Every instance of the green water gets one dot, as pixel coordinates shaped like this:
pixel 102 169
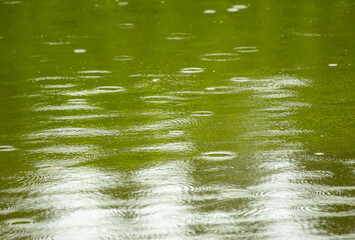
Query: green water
pixel 177 119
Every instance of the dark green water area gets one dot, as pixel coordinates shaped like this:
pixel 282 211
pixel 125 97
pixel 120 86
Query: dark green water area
pixel 177 119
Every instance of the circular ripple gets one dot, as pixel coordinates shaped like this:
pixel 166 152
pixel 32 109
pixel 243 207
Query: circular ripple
pixel 110 89
pixel 79 50
pixel 246 49
pixel 240 7
pixel 179 36
pixel 19 221
pixel 220 57
pixel 7 148
pixel 218 155
pixel 123 58
pixel 210 11
pixel 305 209
pixel 232 9
pixel 94 71
pixel 126 25
pixel 192 70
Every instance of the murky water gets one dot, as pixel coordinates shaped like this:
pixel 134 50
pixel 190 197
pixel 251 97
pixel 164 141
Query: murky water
pixel 177 119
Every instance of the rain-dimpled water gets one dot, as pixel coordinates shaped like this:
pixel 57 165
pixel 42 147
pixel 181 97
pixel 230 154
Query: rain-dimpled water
pixel 177 119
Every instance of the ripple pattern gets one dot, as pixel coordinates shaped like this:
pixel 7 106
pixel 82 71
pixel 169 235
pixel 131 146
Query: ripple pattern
pixel 220 57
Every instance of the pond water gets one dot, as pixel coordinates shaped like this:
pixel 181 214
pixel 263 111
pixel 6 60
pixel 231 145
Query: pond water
pixel 177 119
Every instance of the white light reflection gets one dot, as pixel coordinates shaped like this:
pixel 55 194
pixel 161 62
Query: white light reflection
pixel 161 211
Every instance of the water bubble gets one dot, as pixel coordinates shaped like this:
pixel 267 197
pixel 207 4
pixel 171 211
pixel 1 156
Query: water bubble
pixel 332 64
pixel 220 57
pixel 192 70
pixel 123 3
pixel 319 154
pixel 210 11
pixel 79 50
pixel 218 155
pixel 201 113
pixel 7 148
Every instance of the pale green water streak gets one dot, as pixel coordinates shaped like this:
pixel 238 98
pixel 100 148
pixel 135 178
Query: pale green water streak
pixel 177 119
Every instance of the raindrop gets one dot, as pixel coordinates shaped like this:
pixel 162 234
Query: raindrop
pixel 218 155
pixel 126 25
pixel 110 89
pixel 246 49
pixel 192 70
pixel 179 36
pixel 220 57
pixel 123 58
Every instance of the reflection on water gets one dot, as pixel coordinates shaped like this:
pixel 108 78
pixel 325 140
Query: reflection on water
pixel 176 120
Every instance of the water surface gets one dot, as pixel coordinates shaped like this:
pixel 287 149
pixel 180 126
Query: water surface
pixel 177 119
